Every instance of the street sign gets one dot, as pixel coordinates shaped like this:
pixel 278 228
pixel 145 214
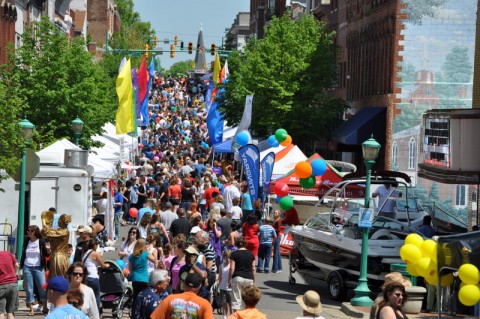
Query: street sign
pixel 32 169
pixel 224 54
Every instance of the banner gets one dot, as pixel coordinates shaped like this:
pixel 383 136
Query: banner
pixel 250 158
pixel 456 250
pixel 267 170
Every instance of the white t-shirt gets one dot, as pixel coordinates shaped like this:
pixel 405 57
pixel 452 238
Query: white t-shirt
pixel 236 212
pixel 89 303
pixel 32 254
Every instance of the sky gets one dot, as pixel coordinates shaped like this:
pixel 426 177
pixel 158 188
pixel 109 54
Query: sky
pixel 185 18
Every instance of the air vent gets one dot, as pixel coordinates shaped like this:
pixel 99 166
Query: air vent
pixel 76 158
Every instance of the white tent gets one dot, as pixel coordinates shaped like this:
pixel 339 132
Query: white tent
pixel 285 159
pixel 55 153
pixel 110 151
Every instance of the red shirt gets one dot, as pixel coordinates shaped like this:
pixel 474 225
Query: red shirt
pixel 208 195
pixel 250 231
pixel 291 217
pixel 7 268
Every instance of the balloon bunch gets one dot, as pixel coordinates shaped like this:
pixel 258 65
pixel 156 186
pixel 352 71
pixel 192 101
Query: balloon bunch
pixel 243 138
pixel 284 200
pixel 309 171
pixel 469 293
pixel 280 137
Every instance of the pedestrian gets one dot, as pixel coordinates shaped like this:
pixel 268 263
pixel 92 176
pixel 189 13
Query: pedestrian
pixel 138 266
pixel 176 263
pixel 186 304
pixel 150 298
pixel 118 209
pixel 386 204
pixel 57 289
pixel 236 213
pixel 250 233
pixel 267 236
pixel 127 246
pixel 181 225
pixel 426 229
pixel 8 285
pixel 247 206
pixel 77 277
pixel 92 260
pixel 98 226
pixel 394 298
pixel 75 298
pixel 311 305
pixel 242 271
pixel 277 258
pixel 223 284
pixel 85 234
pixel 250 296
pixel 156 227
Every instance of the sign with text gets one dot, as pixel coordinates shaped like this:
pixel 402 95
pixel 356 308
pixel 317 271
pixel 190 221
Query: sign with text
pixel 365 218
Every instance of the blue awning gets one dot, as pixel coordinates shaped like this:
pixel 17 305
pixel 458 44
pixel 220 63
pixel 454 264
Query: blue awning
pixel 367 121
pixel 223 147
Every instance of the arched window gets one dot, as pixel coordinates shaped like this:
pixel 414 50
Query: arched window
pixel 394 154
pixel 412 145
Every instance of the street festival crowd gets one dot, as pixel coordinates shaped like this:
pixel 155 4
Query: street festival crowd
pixel 195 241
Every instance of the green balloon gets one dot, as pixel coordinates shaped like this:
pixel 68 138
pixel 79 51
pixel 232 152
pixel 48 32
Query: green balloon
pixel 286 203
pixel 281 135
pixel 308 182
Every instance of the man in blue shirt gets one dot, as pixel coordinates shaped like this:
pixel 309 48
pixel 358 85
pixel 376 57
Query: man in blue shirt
pixel 148 208
pixel 267 236
pixel 57 289
pixel 118 200
pixel 149 299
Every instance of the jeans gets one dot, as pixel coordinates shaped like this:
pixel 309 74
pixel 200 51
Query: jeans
pixel 277 258
pixel 117 219
pixel 94 283
pixel 34 276
pixel 186 205
pixel 264 253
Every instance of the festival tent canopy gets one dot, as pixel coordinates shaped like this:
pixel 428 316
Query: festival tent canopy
pixel 285 159
pixel 55 154
pixel 223 147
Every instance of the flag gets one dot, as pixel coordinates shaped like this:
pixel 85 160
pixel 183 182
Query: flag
pixel 124 117
pixel 142 79
pixel 208 96
pixel 215 122
pixel 135 99
pixel 250 158
pixel 216 69
pixel 224 73
pixel 247 115
pixel 144 105
pixel 267 170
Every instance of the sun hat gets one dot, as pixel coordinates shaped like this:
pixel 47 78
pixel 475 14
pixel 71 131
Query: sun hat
pixel 85 229
pixel 310 302
pixel 192 250
pixel 398 278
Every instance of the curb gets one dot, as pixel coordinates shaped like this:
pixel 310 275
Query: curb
pixel 352 311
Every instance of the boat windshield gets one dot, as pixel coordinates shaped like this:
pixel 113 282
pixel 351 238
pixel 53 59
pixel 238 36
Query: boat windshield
pixel 382 228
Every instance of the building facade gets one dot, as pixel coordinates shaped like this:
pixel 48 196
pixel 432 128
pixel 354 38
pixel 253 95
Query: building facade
pixel 240 30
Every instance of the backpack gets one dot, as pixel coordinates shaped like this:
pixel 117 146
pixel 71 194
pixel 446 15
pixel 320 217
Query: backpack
pixel 133 195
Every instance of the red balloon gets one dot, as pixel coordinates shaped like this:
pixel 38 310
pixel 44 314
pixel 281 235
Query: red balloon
pixel 133 212
pixel 157 119
pixel 281 189
pixel 140 145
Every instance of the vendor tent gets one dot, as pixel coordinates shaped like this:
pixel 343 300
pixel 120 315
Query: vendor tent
pixel 285 159
pixel 223 147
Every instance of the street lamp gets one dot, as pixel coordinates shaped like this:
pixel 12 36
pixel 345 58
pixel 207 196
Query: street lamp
pixel 77 127
pixel 27 132
pixel 370 149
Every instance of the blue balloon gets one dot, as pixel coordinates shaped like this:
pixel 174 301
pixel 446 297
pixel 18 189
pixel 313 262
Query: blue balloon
pixel 120 263
pixel 182 131
pixel 279 198
pixel 243 138
pixel 272 141
pixel 319 167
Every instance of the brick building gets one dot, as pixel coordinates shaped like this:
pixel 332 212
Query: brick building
pixel 8 17
pixel 103 19
pixel 261 12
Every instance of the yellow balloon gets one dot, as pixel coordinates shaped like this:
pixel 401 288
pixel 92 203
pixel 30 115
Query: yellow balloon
pixel 469 295
pixel 433 280
pixel 414 239
pixel 468 273
pixel 410 253
pixel 446 280
pixel 412 269
pixel 429 249
pixel 426 267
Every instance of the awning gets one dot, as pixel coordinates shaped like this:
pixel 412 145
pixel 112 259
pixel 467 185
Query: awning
pixel 367 121
pixel 223 147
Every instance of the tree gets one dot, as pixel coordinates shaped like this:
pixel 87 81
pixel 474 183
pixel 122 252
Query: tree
pixel 180 68
pixel 58 81
pixel 288 72
pixel 416 10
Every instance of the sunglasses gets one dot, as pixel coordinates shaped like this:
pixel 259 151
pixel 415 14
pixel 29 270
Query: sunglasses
pixel 398 295
pixel 77 274
pixel 133 232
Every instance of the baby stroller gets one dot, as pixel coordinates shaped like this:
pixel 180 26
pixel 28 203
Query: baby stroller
pixel 116 294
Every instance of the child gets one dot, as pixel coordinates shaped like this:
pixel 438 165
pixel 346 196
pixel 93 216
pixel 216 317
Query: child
pixel 224 289
pixel 236 211
pixel 75 298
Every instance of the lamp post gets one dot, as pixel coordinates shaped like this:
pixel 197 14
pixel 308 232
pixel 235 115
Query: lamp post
pixel 77 127
pixel 370 149
pixel 27 132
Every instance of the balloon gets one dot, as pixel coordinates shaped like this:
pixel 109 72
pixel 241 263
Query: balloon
pixel 272 141
pixel 279 198
pixel 415 239
pixel 286 203
pixel 281 189
pixel 319 167
pixel 469 295
pixel 303 169
pixel 133 212
pixel 281 135
pixel 287 141
pixel 308 182
pixel 426 267
pixel 446 280
pixel 182 132
pixel 156 159
pixel 157 119
pixel 140 145
pixel 120 263
pixel 243 138
pixel 412 269
pixel 429 249
pixel 433 280
pixel 468 273
pixel 410 253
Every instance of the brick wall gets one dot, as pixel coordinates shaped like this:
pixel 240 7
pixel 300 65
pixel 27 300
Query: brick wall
pixel 8 16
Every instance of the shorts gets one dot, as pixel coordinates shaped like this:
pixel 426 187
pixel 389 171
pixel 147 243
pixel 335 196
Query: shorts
pixel 175 201
pixel 225 295
pixel 9 298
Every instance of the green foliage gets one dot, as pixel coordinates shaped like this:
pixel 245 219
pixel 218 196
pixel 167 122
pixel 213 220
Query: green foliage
pixel 58 81
pixel 416 9
pixel 407 74
pixel 180 68
pixel 288 72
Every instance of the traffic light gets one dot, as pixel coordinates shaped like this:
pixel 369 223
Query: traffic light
pixel 190 47
pixel 212 50
pixel 172 51
pixel 181 45
pixel 155 41
pixel 147 47
pixel 175 40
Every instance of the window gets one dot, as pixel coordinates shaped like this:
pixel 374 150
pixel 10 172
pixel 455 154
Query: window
pixel 412 151
pixel 394 154
pixel 461 195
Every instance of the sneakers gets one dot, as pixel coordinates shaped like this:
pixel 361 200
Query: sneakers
pixel 266 271
pixel 276 271
pixel 260 270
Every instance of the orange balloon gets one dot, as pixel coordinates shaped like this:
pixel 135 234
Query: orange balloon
pixel 287 141
pixel 303 169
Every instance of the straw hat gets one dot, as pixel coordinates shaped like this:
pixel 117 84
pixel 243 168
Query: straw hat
pixel 310 302
pixel 398 278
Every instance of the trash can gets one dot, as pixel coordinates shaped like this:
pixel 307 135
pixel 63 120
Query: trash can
pixel 402 268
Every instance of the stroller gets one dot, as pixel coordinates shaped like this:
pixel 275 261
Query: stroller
pixel 115 293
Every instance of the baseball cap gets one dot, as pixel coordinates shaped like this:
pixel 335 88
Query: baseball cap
pixel 192 250
pixel 195 229
pixel 58 283
pixel 85 229
pixel 193 280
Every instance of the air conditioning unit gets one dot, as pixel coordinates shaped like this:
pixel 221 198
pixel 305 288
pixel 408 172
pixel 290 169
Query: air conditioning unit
pixel 76 158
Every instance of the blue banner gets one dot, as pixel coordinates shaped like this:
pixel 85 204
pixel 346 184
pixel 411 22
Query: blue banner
pixel 215 122
pixel 267 170
pixel 250 158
